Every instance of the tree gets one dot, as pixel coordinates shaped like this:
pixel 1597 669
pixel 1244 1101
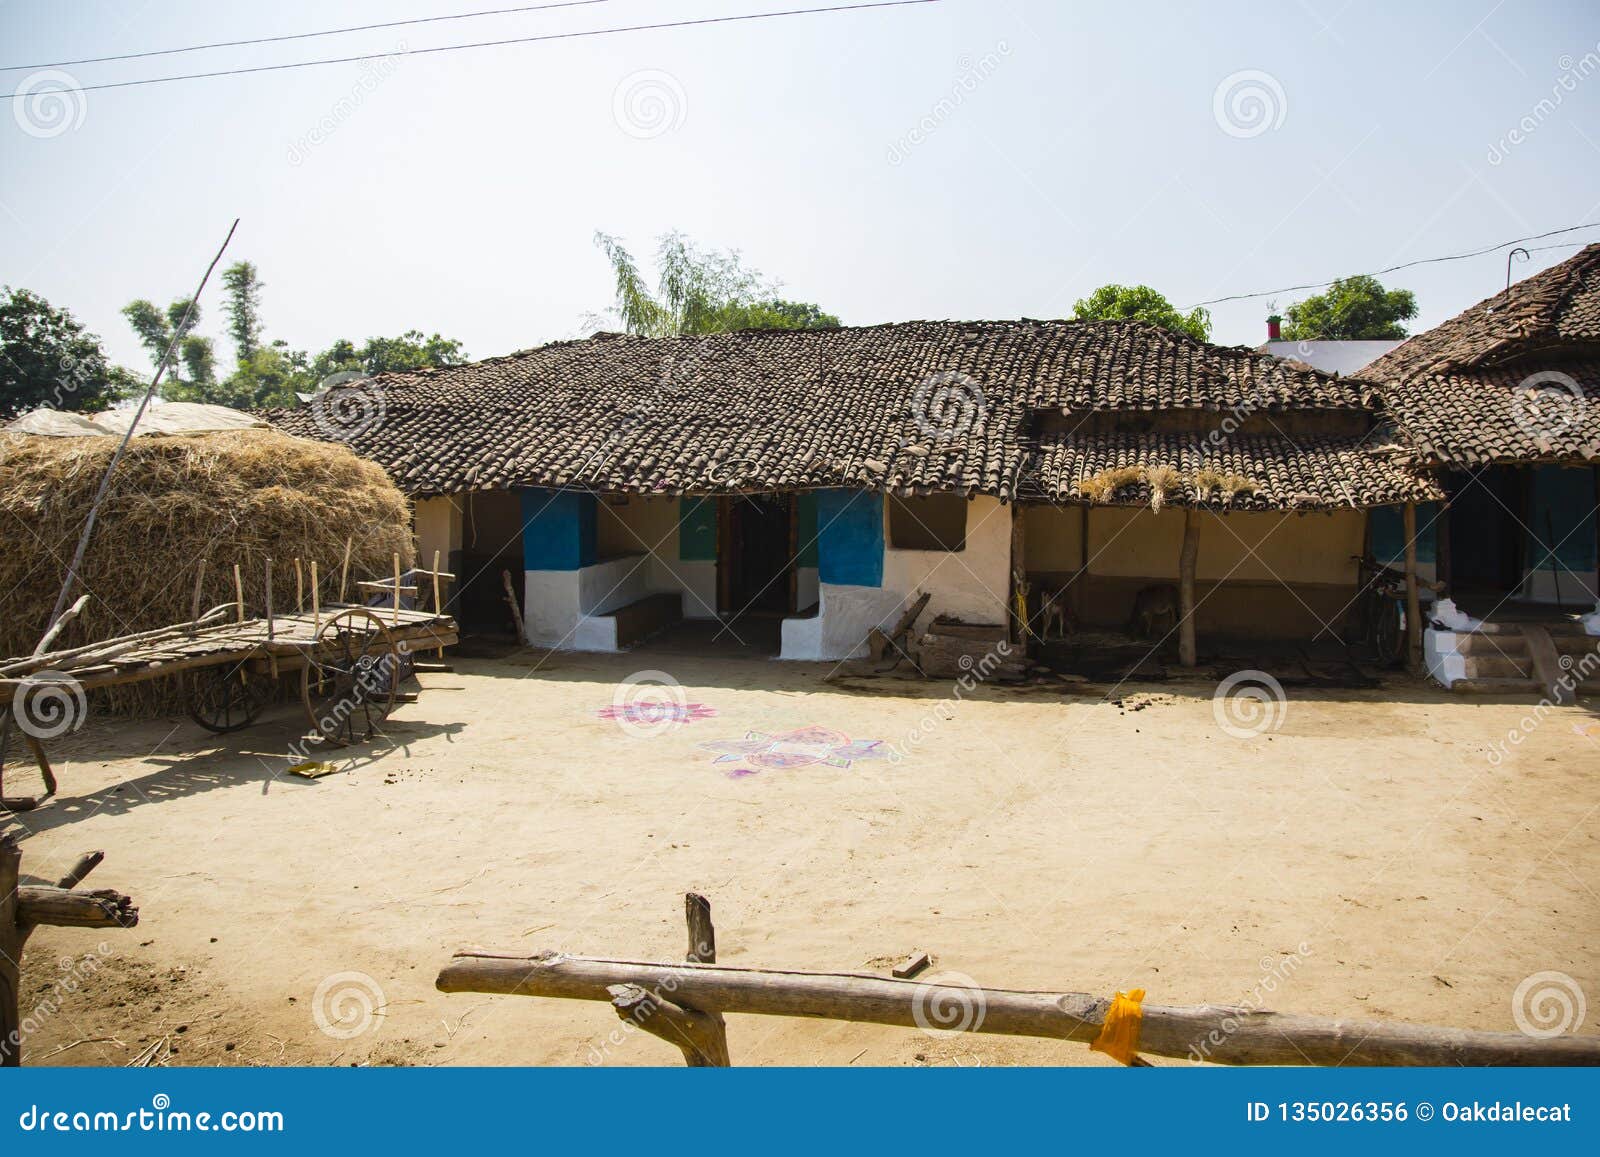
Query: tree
pixel 192 352
pixel 700 291
pixel 267 374
pixel 243 286
pixel 47 358
pixel 1141 303
pixel 1351 309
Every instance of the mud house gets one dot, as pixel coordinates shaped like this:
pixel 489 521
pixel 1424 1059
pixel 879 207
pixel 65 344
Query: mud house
pixel 1502 404
pixel 820 480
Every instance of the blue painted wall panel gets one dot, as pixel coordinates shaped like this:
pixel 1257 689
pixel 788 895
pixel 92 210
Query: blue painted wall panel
pixel 558 529
pixel 1562 509
pixel 1389 533
pixel 850 537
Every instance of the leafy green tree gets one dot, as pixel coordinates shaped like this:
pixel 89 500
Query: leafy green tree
pixel 699 291
pixel 193 354
pixel 48 359
pixel 243 286
pixel 1141 303
pixel 1351 309
pixel 268 373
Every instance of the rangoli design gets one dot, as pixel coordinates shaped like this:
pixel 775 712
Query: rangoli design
pixel 655 712
pixel 798 748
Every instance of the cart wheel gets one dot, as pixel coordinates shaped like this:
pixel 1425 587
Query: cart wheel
pixel 224 699
pixel 350 677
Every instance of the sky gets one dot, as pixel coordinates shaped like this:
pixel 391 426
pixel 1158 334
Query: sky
pixel 958 159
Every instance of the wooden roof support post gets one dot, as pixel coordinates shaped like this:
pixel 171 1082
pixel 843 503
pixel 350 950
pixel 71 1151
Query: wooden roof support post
pixel 24 908
pixel 1186 566
pixel 1413 604
pixel 1019 576
pixel 701 1036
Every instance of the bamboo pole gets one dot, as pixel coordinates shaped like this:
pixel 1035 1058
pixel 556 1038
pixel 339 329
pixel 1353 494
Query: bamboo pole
pixel 238 591
pixel 1413 604
pixel 344 570
pixel 1187 651
pixel 1218 1033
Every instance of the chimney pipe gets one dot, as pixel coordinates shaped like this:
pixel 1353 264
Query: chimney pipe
pixel 1274 330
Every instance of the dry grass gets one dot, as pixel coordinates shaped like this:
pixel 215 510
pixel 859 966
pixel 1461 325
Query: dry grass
pixel 1102 486
pixel 1163 480
pixel 238 497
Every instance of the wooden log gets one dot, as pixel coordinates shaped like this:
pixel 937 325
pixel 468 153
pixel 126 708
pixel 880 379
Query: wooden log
pixel 1413 605
pixel 704 1028
pixel 43 904
pixel 11 940
pixel 1187 649
pixel 113 646
pixel 1217 1033
pixel 700 1036
pixel 87 863
pixel 60 624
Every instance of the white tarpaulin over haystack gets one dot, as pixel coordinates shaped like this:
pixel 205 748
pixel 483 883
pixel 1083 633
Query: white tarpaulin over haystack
pixel 165 418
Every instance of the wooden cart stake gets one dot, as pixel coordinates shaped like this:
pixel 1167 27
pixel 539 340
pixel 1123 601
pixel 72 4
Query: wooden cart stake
pixel 238 591
pixel 344 571
pixel 316 602
pixel 396 588
pixel 299 589
pixel 438 607
pixel 199 581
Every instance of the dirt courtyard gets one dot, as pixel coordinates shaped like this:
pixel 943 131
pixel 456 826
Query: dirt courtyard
pixel 1378 855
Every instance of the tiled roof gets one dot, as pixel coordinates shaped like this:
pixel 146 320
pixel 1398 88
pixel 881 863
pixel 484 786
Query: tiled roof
pixel 1311 472
pixel 1516 378
pixel 1556 309
pixel 908 407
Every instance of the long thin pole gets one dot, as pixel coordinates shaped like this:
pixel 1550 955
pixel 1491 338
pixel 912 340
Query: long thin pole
pixel 105 482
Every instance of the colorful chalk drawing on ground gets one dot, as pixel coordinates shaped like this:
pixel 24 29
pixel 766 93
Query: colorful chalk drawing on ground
pixel 802 747
pixel 656 713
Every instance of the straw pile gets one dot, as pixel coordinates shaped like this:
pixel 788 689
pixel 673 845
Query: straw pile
pixel 236 497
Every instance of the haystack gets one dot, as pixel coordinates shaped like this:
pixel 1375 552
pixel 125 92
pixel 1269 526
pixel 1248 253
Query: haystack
pixel 232 497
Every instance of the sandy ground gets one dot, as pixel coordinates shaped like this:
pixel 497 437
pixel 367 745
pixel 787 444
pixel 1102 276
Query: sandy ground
pixel 1367 858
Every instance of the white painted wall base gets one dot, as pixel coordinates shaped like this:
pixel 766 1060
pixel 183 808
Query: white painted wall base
pixel 563 608
pixel 1444 660
pixel 1577 587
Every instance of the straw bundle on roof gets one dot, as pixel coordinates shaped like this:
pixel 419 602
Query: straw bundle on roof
pixel 236 497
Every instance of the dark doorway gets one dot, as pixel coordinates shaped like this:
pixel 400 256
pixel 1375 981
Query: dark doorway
pixel 1487 541
pixel 755 559
pixel 491 546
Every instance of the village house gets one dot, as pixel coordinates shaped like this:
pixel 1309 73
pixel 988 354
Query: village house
pixel 1502 404
pixel 818 481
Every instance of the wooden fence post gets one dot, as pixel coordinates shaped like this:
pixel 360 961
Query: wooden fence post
pixel 1187 652
pixel 24 908
pixel 702 1036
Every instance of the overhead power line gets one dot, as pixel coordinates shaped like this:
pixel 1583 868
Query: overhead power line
pixel 500 43
pixel 1403 265
pixel 302 35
